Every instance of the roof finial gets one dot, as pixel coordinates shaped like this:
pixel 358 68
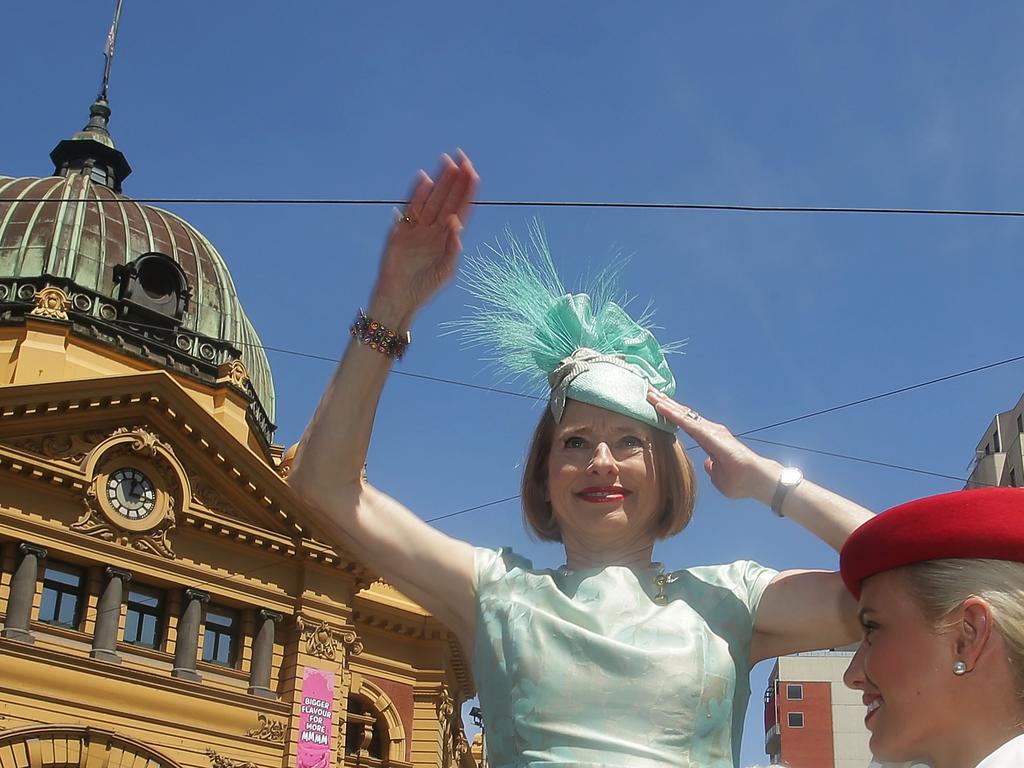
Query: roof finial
pixel 108 52
pixel 91 150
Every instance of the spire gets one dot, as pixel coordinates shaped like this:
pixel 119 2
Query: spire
pixel 108 52
pixel 91 151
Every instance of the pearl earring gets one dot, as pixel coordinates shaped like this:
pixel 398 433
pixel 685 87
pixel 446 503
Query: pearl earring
pixel 959 668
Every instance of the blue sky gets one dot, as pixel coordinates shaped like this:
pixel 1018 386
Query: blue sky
pixel 907 104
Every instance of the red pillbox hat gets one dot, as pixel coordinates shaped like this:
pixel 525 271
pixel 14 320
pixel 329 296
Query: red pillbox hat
pixel 982 523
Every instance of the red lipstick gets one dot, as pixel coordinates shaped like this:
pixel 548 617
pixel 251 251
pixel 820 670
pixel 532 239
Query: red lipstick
pixel 605 494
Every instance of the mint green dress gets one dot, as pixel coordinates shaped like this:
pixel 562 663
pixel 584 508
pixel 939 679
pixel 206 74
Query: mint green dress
pixel 590 668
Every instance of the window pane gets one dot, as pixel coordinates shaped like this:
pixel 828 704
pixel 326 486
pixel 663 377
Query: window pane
pixel 131 627
pixel 224 650
pixel 217 647
pixel 219 620
pixel 59 575
pixel 66 613
pixel 796 719
pixel 48 608
pixel 147 599
pixel 148 634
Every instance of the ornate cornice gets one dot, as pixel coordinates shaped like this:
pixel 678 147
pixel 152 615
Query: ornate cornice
pixel 98 318
pixel 386 621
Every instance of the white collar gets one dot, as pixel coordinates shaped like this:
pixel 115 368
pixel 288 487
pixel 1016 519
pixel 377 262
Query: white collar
pixel 1010 755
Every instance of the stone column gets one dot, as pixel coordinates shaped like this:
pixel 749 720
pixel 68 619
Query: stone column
pixel 187 645
pixel 108 616
pixel 263 655
pixel 23 591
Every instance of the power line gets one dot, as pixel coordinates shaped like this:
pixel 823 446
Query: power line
pixel 621 205
pixel 512 393
pixel 745 433
pixel 830 454
pixel 867 461
pixel 394 371
pixel 471 509
pixel 890 393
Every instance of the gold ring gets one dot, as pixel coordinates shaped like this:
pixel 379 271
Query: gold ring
pixel 693 415
pixel 407 219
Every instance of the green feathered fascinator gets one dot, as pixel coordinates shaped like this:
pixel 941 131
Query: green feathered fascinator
pixel 581 346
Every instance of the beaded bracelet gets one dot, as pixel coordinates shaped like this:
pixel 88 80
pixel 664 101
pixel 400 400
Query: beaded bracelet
pixel 376 336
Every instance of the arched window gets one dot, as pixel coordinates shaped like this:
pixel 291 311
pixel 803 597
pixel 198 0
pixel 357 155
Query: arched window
pixel 375 735
pixel 365 731
pixel 70 746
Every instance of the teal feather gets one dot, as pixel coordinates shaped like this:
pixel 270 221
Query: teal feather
pixel 522 313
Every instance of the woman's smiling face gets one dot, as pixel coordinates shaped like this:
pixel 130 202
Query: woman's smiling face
pixel 903 668
pixel 602 479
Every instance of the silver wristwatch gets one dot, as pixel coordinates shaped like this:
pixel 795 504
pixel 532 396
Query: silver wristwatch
pixel 790 478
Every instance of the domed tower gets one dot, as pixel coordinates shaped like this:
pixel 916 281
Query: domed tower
pixel 150 547
pixel 131 287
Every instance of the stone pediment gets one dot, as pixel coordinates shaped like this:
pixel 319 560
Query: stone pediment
pixel 138 448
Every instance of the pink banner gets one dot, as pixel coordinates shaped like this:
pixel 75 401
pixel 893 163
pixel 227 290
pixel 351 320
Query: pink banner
pixel 316 719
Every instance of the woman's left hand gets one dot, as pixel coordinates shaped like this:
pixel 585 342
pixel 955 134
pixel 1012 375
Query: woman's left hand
pixel 735 470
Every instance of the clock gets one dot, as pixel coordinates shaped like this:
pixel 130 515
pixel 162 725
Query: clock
pixel 131 493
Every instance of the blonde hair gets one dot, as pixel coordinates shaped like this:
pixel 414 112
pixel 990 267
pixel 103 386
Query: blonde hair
pixel 673 467
pixel 940 586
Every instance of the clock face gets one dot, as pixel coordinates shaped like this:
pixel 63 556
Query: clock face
pixel 131 493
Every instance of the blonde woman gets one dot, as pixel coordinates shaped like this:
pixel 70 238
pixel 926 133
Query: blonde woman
pixel 941 587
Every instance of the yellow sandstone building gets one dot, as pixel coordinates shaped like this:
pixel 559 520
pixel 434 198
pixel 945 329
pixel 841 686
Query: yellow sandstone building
pixel 161 603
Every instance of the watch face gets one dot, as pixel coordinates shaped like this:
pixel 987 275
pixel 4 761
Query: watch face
pixel 131 493
pixel 791 476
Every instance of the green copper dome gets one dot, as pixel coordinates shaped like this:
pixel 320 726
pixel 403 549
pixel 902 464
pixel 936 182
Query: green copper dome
pixel 140 278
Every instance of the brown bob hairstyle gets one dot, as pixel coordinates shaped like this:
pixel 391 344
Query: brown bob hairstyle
pixel 673 467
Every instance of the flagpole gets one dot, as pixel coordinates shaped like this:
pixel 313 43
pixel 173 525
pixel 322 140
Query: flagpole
pixel 108 51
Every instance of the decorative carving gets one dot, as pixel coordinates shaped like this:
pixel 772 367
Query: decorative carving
pixel 210 498
pixel 453 737
pixel 445 704
pixel 461 747
pixel 94 523
pixel 268 729
pixel 353 645
pixel 218 760
pixel 236 374
pixel 69 446
pixel 145 442
pixel 51 303
pixel 322 640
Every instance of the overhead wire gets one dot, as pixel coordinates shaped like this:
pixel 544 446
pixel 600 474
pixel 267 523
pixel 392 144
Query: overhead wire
pixel 744 433
pixel 873 462
pixel 604 204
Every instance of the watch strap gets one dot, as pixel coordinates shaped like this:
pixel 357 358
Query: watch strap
pixel 782 490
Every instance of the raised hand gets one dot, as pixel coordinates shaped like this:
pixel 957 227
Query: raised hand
pixel 424 244
pixel 735 470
